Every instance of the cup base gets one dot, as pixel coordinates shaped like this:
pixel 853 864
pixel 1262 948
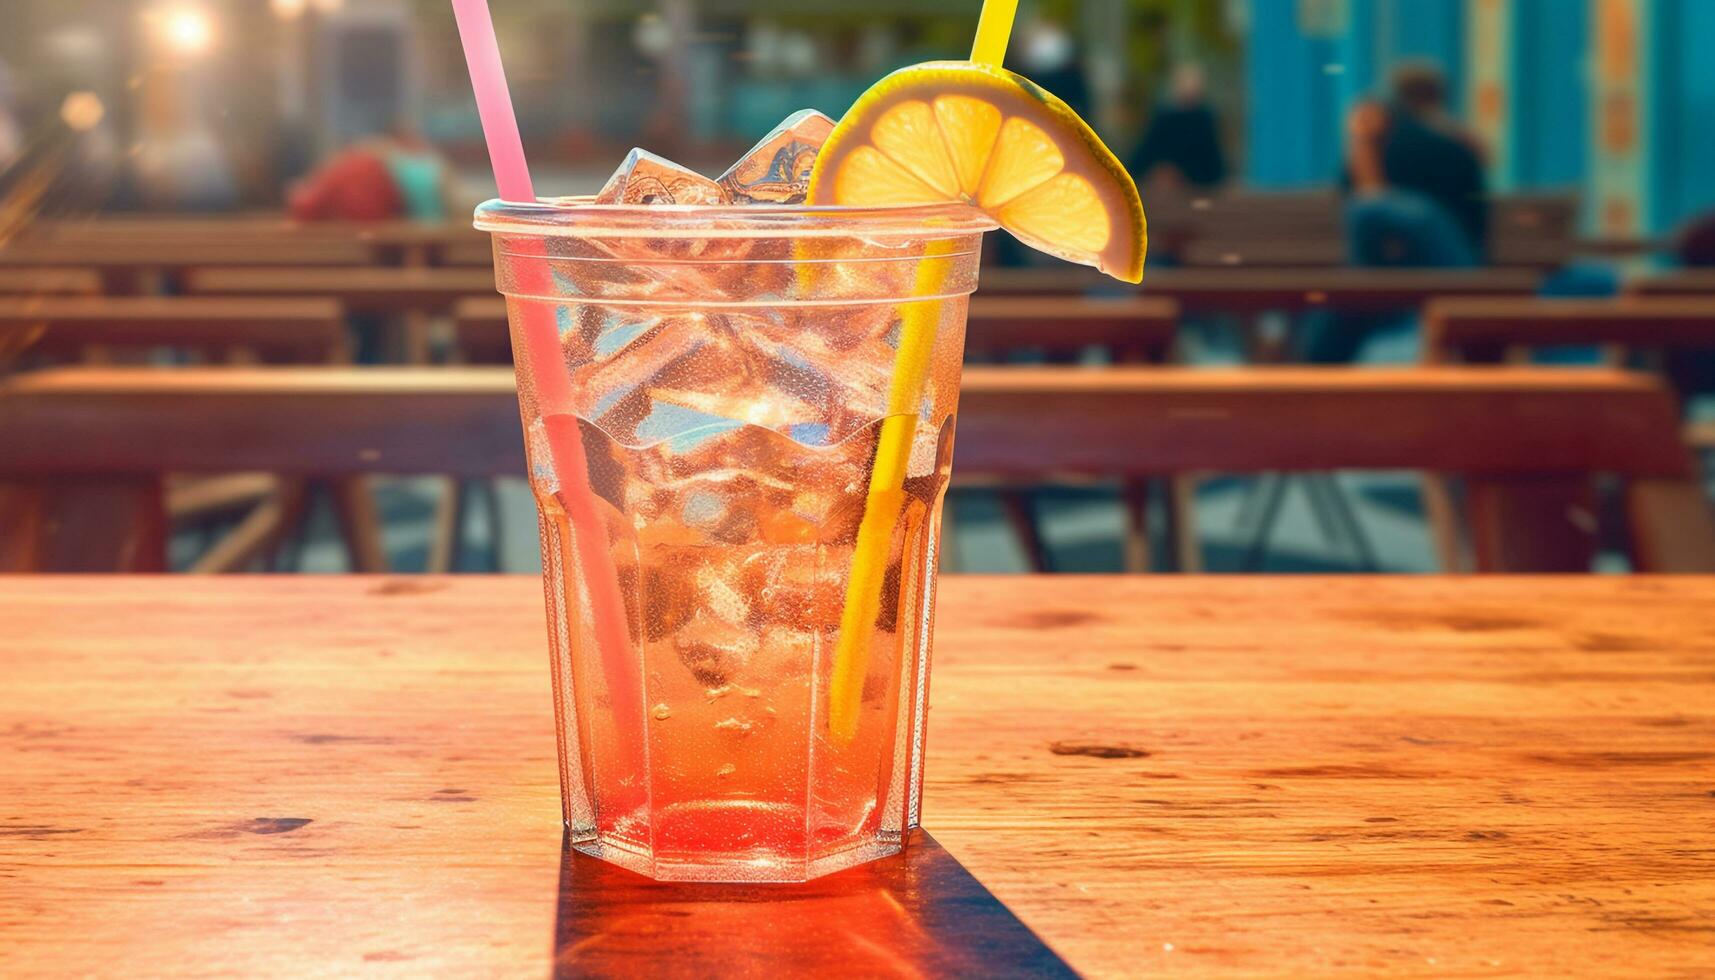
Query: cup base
pixel 751 866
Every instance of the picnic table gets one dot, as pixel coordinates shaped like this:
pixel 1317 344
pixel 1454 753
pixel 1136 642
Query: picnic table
pixel 1306 776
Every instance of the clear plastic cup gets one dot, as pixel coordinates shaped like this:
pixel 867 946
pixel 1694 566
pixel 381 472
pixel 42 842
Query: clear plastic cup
pixel 702 392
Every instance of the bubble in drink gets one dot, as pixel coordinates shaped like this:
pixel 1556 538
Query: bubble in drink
pixel 644 178
pixel 777 169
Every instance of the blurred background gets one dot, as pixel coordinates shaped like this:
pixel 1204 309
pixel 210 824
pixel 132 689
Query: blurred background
pixel 220 104
pixel 1569 138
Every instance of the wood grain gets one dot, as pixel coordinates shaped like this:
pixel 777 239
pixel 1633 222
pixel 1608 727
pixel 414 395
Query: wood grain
pixel 1420 776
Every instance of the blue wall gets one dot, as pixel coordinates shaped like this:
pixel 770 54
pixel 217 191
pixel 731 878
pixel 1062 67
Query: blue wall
pixel 1682 127
pixel 1550 112
pixel 1300 86
pixel 1291 99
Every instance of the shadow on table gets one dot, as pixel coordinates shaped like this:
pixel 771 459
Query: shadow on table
pixel 918 914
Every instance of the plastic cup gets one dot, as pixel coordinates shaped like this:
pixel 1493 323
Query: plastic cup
pixel 722 376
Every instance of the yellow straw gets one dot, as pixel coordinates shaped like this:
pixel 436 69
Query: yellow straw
pixel 994 26
pixel 886 497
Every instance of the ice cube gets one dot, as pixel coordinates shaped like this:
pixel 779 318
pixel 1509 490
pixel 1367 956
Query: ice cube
pixel 801 587
pixel 777 169
pixel 644 178
pixel 712 649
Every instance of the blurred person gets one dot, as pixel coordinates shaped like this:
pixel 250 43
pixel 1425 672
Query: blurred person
pixel 1418 190
pixel 1048 56
pixel 1695 243
pixel 1692 372
pixel 1416 197
pixel 397 175
pixel 1183 136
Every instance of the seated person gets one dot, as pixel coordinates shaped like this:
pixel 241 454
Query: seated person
pixel 1416 197
pixel 1418 194
pixel 1183 136
pixel 394 176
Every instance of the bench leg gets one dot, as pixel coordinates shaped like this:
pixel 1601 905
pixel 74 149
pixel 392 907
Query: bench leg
pixel 1333 510
pixel 946 556
pixel 496 540
pixel 1443 517
pixel 1270 496
pixel 359 524
pixel 1672 526
pixel 104 525
pixel 1182 523
pixel 1134 499
pixel 448 540
pixel 1531 524
pixel 258 533
pixel 1015 505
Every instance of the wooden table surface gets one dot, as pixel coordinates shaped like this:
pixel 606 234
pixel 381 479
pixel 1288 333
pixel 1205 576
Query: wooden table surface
pixel 1307 776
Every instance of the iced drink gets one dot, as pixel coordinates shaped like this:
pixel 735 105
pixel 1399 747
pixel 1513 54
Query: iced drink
pixel 729 372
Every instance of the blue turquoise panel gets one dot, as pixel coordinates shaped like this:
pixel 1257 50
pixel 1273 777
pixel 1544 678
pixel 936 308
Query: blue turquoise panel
pixel 1550 112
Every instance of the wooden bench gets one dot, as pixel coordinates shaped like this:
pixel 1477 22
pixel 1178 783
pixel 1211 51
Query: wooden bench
pixel 49 281
pixel 311 330
pixel 1257 290
pixel 1524 441
pixel 1349 290
pixel 414 295
pixel 465 253
pixel 239 331
pixel 1485 329
pixel 1681 282
pixel 368 290
pixel 81 482
pixel 1301 252
pixel 134 266
pixel 396 242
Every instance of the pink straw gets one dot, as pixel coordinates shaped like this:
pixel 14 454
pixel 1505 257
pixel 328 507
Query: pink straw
pixel 493 101
pixel 541 338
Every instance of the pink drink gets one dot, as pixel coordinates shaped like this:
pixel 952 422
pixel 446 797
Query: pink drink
pixel 728 373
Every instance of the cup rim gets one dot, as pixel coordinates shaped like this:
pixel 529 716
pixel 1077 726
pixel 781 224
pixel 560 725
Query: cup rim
pixel 582 217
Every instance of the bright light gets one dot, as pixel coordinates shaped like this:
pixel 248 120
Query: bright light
pixel 82 111
pixel 187 30
pixel 288 9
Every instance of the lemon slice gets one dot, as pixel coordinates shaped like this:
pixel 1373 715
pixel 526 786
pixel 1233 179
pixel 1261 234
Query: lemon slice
pixel 956 131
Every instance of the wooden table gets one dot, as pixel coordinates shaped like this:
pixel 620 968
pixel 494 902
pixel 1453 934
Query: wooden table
pixel 1307 776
